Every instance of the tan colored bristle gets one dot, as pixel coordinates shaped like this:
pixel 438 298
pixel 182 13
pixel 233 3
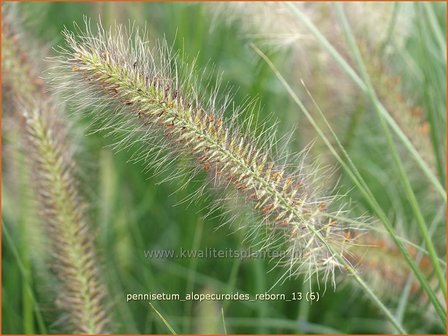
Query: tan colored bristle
pixel 49 150
pixel 155 98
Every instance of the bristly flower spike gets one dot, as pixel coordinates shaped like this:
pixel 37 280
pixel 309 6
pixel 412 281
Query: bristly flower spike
pixel 142 92
pixel 49 149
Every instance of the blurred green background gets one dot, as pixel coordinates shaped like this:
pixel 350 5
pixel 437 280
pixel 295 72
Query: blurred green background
pixel 131 212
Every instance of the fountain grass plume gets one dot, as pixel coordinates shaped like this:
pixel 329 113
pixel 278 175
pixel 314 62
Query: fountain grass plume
pixel 80 293
pixel 380 261
pixel 411 118
pixel 49 150
pixel 19 69
pixel 142 91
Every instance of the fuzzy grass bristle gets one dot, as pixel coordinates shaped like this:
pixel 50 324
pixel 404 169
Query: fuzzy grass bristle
pixel 80 292
pixel 143 91
pixel 383 264
pixel 412 119
pixel 21 77
pixel 49 150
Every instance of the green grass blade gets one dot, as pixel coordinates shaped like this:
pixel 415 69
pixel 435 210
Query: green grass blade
pixel 368 291
pixel 438 34
pixel 27 286
pixel 223 321
pixel 376 300
pixel 355 77
pixel 403 301
pixel 163 320
pixel 354 175
pixel 404 178
pixel 391 27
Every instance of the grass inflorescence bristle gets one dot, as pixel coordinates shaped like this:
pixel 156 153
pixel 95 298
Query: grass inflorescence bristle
pixel 142 90
pixel 49 150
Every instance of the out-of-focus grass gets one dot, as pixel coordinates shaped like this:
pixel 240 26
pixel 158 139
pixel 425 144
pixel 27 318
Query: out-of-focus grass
pixel 131 212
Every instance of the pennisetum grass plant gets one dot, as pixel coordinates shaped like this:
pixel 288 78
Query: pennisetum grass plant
pixel 379 260
pixel 142 92
pixel 143 96
pixel 50 154
pixel 21 78
pixel 390 122
pixel 325 78
pixel 412 119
